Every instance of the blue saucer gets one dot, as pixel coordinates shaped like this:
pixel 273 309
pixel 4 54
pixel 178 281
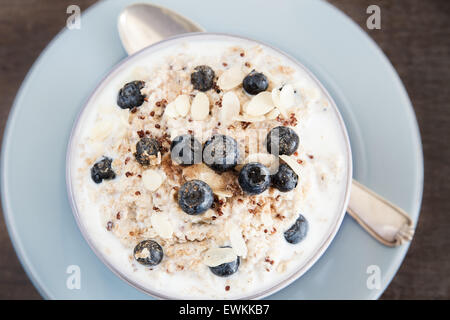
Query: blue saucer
pixel 387 154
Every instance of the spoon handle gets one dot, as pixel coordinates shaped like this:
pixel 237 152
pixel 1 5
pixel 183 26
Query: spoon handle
pixel 383 220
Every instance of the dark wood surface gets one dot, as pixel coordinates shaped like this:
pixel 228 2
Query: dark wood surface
pixel 415 35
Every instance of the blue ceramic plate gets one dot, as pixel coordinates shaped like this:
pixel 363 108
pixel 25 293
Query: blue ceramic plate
pixel 387 155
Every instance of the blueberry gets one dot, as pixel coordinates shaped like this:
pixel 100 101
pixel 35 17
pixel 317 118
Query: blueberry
pixel 148 253
pixel 226 269
pixel 130 95
pixel 102 170
pixel 186 150
pixel 195 197
pixel 298 231
pixel 220 153
pixel 254 178
pixel 282 139
pixel 255 82
pixel 146 150
pixel 285 179
pixel 202 78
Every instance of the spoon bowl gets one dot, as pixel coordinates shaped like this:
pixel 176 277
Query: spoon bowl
pixel 143 24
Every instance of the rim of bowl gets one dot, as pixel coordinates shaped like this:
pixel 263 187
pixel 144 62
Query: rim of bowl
pixel 216 36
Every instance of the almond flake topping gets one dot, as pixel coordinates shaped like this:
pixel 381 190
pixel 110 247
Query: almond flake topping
pixel 267 159
pixel 201 171
pixel 287 97
pixel 200 107
pixel 291 162
pixel 277 102
pixel 162 225
pixel 231 78
pixel 182 105
pixel 223 193
pixel 152 179
pixel 237 241
pixel 217 256
pixel 230 107
pixel 171 110
pixel 260 104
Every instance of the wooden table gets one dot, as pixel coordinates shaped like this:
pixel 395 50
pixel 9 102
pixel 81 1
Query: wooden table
pixel 415 35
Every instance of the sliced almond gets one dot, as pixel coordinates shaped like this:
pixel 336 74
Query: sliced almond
pixel 217 182
pixel 277 101
pixel 291 162
pixel 152 179
pixel 230 107
pixel 206 174
pixel 223 193
pixel 182 105
pixel 276 96
pixel 217 256
pixel 200 107
pixel 287 97
pixel 170 110
pixel 237 241
pixel 162 225
pixel 260 104
pixel 231 78
pixel 267 159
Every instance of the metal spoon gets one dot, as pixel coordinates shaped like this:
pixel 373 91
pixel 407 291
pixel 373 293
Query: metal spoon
pixel 141 25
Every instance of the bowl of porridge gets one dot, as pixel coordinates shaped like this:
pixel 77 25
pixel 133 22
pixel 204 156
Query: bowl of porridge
pixel 209 166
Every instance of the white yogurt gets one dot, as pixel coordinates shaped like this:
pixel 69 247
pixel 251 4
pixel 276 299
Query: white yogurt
pixel 106 130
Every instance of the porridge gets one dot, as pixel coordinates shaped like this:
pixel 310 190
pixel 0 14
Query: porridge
pixel 209 169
